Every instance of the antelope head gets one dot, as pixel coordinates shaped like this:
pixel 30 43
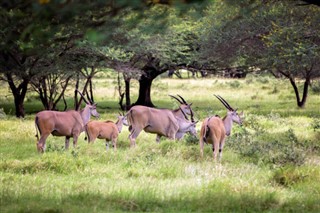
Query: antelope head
pixel 184 106
pixel 123 119
pixel 232 113
pixel 91 106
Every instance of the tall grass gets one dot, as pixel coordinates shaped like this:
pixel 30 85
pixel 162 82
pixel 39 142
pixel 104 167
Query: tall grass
pixel 270 164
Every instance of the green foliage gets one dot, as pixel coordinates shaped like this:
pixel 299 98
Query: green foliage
pixel 235 84
pixel 288 176
pixel 261 147
pixel 316 124
pixel 170 176
pixel 2 114
pixel 315 87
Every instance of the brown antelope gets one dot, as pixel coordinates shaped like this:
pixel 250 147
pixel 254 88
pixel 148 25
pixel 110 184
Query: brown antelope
pixel 107 130
pixel 180 113
pixel 69 124
pixel 162 122
pixel 214 129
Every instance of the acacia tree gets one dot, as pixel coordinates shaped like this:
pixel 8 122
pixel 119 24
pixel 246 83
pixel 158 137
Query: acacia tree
pixel 278 36
pixel 154 47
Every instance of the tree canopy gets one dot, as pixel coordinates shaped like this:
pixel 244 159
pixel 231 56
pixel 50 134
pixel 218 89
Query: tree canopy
pixel 45 40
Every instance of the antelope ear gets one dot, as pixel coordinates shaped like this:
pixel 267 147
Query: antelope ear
pixel 190 104
pixel 241 114
pixel 195 122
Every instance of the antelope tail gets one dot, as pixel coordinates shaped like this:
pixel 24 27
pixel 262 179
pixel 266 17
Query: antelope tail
pixel 129 117
pixel 86 133
pixel 37 128
pixel 206 131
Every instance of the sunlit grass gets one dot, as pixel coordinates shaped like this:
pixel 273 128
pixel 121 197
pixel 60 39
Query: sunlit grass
pixel 170 176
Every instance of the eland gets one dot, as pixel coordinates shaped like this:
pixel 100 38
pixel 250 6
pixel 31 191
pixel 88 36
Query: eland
pixel 215 129
pixel 69 124
pixel 163 122
pixel 107 130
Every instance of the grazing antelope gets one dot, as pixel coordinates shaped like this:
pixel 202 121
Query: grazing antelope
pixel 180 113
pixel 162 122
pixel 69 124
pixel 214 129
pixel 107 130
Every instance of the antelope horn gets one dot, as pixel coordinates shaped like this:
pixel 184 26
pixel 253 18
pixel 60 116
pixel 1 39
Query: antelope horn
pixel 184 101
pixel 82 96
pixel 227 103
pixel 176 99
pixel 191 114
pixel 185 116
pixel 224 102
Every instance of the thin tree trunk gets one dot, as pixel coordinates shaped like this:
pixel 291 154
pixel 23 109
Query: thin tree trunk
pixel 301 102
pixel 127 92
pixel 76 93
pixel 19 95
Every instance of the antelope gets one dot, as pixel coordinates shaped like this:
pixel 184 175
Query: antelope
pixel 214 129
pixel 180 113
pixel 163 122
pixel 69 124
pixel 107 130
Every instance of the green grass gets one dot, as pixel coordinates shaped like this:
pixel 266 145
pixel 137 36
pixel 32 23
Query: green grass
pixel 270 164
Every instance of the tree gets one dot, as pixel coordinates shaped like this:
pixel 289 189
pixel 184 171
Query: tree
pixel 30 28
pixel 154 47
pixel 277 36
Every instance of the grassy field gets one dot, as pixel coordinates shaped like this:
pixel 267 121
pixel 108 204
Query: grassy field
pixel 270 164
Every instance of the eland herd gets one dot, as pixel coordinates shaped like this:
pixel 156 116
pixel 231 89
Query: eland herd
pixel 173 124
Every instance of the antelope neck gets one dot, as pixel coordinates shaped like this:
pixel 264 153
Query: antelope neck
pixel 85 115
pixel 119 125
pixel 227 122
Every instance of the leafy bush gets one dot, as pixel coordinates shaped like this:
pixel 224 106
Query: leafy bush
pixel 261 147
pixel 275 90
pixel 316 124
pixel 2 114
pixel 190 139
pixel 262 79
pixel 315 87
pixel 235 84
pixel 288 176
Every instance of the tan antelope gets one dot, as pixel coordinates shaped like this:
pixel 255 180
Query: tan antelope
pixel 214 129
pixel 181 113
pixel 69 124
pixel 163 122
pixel 107 130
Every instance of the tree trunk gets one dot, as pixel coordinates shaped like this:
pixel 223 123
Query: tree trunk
pixel 144 92
pixel 301 103
pixel 76 93
pixel 19 94
pixel 127 92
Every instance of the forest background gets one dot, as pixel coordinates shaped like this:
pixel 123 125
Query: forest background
pixel 119 51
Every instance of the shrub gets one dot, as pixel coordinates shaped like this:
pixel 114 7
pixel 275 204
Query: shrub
pixel 235 84
pixel 316 124
pixel 262 147
pixel 263 79
pixel 190 139
pixel 275 90
pixel 288 176
pixel 2 114
pixel 315 87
